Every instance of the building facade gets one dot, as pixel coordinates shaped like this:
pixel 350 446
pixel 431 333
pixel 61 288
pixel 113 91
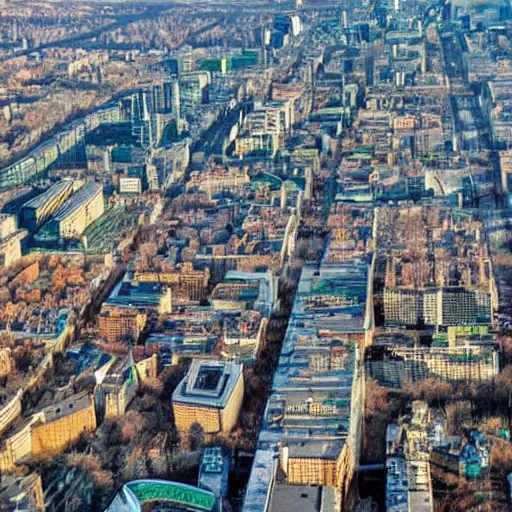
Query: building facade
pixel 211 395
pixel 81 210
pixel 118 324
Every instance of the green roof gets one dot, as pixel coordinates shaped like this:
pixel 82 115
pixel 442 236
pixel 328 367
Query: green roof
pixel 159 490
pixel 329 110
pixel 364 149
pixel 290 185
pixel 266 177
pixel 360 156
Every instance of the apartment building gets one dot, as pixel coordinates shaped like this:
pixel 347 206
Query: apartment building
pixel 218 179
pixel 50 430
pixel 121 324
pixel 187 284
pixel 396 366
pixel 449 281
pixel 446 306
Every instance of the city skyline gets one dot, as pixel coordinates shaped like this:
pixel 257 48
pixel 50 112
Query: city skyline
pixel 256 257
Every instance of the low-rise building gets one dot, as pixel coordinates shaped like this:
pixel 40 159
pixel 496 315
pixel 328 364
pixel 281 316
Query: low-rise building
pixel 408 445
pixel 10 411
pixel 175 495
pixel 243 334
pixel 214 472
pixel 142 296
pixel 261 481
pixel 62 423
pixel 18 494
pixel 247 290
pixel 468 456
pixel 218 178
pixel 130 185
pixel 117 388
pixel 49 430
pixel 187 285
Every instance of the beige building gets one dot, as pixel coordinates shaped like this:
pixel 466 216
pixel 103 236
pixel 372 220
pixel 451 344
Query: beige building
pixel 120 324
pixel 17 445
pixel 10 240
pixel 210 394
pixel 63 423
pixel 49 431
pixel 187 284
pixel 10 411
pixel 311 464
pixel 7 363
pixel 260 143
pixel 81 210
pixel 218 179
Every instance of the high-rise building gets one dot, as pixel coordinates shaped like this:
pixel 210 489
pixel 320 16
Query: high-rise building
pixel 186 59
pixel 152 110
pixel 193 87
pixel 211 395
pixel 165 98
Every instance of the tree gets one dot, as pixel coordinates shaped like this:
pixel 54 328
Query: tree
pixel 431 390
pixel 378 413
pixel 196 437
pixel 376 398
pixel 136 465
pixel 132 425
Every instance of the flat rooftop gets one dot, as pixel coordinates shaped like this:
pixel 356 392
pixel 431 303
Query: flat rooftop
pixel 130 294
pixel 261 480
pixel 296 498
pixel 208 383
pixel 214 471
pixel 67 406
pixel 310 404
